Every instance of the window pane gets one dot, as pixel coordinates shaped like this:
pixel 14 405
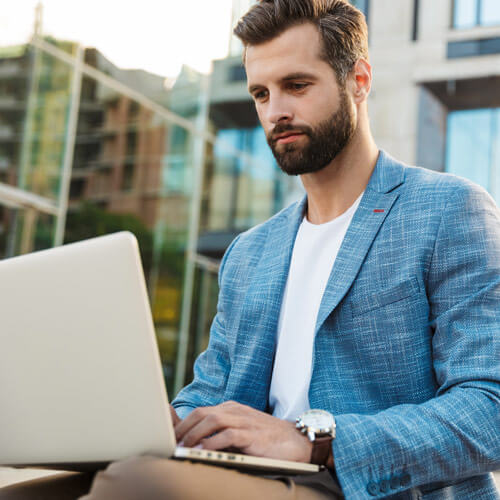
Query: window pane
pixel 465 13
pixel 362 5
pixel 44 130
pixel 32 231
pixel 470 145
pixel 246 189
pixel 7 222
pixel 490 12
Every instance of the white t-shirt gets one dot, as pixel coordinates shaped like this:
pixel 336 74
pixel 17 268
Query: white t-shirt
pixel 314 252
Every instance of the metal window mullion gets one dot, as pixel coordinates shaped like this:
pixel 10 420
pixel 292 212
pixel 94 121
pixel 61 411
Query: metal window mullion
pixel 69 149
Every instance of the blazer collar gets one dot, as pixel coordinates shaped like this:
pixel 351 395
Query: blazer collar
pixel 387 175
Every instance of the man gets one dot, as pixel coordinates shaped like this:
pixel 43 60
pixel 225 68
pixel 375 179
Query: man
pixel 375 299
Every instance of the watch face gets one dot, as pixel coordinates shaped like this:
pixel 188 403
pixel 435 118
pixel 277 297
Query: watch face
pixel 319 421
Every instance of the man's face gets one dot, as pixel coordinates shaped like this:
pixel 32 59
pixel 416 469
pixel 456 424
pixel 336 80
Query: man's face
pixel 307 117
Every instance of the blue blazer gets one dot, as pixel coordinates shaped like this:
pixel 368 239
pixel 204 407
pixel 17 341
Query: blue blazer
pixel 407 345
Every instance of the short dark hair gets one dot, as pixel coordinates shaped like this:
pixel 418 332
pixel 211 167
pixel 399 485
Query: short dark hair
pixel 342 28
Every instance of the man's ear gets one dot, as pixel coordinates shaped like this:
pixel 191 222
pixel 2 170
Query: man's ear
pixel 361 80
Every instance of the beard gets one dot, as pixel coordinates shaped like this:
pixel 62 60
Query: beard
pixel 325 141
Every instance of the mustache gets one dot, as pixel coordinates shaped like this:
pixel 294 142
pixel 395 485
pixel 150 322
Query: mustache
pixel 281 128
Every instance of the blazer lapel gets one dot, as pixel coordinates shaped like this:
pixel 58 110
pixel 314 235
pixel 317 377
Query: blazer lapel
pixel 371 213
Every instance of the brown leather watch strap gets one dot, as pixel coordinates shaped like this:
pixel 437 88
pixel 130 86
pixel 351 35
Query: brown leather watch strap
pixel 321 450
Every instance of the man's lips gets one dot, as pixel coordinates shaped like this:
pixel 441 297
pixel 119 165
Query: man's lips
pixel 288 137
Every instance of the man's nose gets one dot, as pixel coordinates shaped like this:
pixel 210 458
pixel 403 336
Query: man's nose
pixel 278 111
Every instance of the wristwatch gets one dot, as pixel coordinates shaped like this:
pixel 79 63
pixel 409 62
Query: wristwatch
pixel 319 426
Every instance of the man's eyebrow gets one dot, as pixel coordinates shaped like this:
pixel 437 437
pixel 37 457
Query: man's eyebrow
pixel 299 75
pixel 253 88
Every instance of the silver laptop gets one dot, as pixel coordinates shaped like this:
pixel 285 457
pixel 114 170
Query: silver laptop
pixel 81 383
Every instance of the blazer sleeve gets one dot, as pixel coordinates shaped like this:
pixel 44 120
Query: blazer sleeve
pixel 212 367
pixel 456 434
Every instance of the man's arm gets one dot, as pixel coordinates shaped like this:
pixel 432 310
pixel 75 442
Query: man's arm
pixel 456 434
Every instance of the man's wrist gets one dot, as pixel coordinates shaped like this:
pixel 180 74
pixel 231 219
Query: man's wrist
pixel 319 426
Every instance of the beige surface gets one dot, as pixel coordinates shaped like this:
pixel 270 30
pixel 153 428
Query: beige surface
pixel 10 476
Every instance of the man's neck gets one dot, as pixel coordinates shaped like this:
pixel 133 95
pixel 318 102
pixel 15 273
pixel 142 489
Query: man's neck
pixel 332 190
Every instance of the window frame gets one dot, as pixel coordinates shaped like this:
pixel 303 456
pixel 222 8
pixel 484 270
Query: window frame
pixel 477 23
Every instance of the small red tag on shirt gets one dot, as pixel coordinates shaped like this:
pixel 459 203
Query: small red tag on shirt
pixel 378 211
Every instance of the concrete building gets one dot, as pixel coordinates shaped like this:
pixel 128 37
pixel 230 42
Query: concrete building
pixel 433 60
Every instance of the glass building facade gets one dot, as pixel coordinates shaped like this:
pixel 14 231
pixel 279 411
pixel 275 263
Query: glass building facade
pixel 87 149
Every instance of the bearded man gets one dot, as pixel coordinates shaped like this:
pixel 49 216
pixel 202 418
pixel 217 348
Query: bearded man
pixel 374 301
pixel 376 298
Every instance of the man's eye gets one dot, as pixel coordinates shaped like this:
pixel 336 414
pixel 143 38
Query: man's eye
pixel 260 95
pixel 298 86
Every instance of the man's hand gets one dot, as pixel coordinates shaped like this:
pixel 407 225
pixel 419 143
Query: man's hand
pixel 175 417
pixel 233 425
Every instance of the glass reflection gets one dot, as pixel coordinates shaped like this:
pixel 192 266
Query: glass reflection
pixel 45 126
pixel 465 13
pixel 470 13
pixel 35 232
pixel 251 181
pixel 362 5
pixel 490 12
pixel 7 218
pixel 472 147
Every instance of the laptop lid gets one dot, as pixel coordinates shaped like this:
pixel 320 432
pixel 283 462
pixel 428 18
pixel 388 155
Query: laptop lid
pixel 80 374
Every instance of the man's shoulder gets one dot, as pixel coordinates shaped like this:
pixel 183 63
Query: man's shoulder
pixel 258 233
pixel 251 242
pixel 439 187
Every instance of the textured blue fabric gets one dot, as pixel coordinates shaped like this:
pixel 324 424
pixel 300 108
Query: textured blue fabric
pixel 407 345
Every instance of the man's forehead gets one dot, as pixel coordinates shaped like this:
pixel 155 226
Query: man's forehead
pixel 297 50
pixel 300 40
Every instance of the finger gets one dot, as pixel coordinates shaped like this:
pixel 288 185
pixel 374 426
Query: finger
pixel 213 423
pixel 190 421
pixel 196 416
pixel 228 438
pixel 175 417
